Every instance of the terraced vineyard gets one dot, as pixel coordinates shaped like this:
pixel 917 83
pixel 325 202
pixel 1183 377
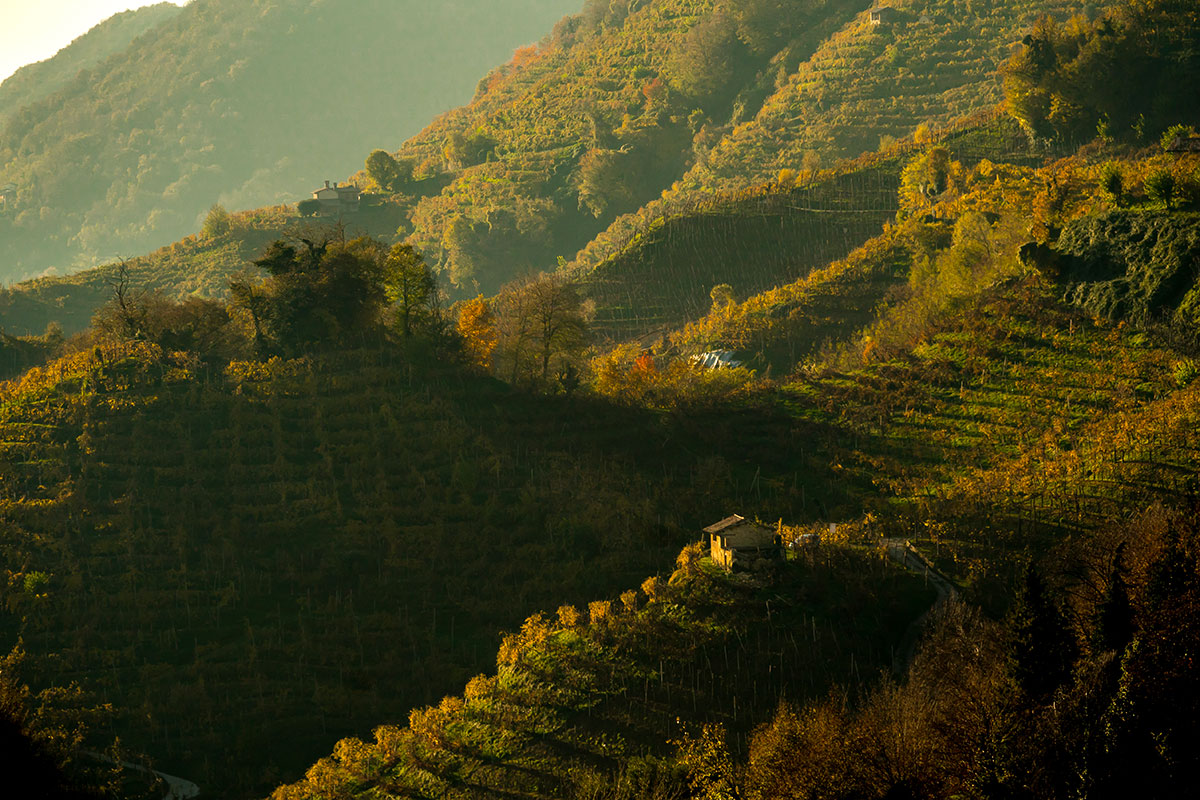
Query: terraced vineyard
pixel 244 563
pixel 663 277
pixel 934 64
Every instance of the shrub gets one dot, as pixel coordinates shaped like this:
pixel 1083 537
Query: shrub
pixel 1160 187
pixel 1185 372
pixel 1174 132
pixel 308 208
pixel 1112 182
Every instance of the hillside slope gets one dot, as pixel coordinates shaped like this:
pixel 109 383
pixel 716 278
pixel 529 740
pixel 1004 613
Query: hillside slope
pixel 935 61
pixel 230 554
pixel 686 98
pixel 245 103
pixel 35 82
pixel 593 123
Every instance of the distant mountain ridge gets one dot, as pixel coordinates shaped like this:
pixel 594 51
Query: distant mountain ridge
pixel 243 103
pixel 37 81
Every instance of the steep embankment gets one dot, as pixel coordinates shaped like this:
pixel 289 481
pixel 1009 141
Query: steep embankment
pixel 245 103
pixel 1133 265
pixel 751 241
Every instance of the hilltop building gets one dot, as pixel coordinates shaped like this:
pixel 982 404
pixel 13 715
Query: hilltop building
pixel 883 15
pixel 737 544
pixel 337 199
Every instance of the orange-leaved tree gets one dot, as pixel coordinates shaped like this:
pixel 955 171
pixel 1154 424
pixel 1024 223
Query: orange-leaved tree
pixel 477 327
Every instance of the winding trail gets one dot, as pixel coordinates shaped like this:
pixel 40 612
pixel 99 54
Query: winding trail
pixel 177 788
pixel 903 553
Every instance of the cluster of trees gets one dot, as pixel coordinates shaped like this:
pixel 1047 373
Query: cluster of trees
pixel 320 291
pixel 533 332
pixel 1127 74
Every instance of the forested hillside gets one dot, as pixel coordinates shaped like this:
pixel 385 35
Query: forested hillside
pixel 35 82
pixel 243 103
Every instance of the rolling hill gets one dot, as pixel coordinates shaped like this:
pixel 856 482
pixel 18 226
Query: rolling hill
pixel 560 143
pixel 364 565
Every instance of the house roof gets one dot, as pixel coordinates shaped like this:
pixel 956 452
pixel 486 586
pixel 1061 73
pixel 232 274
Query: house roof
pixel 737 533
pixel 728 522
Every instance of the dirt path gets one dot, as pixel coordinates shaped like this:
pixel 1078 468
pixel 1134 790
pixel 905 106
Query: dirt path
pixel 177 788
pixel 903 553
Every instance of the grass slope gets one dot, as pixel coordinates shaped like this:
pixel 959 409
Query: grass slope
pixel 586 704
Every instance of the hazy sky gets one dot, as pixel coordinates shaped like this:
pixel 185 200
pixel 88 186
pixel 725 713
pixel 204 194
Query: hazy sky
pixel 34 30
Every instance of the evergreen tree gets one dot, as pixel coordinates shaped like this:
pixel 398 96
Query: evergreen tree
pixel 1044 648
pixel 1114 626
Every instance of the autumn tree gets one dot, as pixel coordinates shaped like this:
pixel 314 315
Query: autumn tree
pixel 217 223
pixel 540 321
pixel 709 60
pixel 126 315
pixel 605 181
pixel 477 327
pixel 927 177
pixel 388 173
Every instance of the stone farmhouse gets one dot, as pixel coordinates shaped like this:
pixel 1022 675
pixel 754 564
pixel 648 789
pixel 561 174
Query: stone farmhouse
pixel 337 199
pixel 738 544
